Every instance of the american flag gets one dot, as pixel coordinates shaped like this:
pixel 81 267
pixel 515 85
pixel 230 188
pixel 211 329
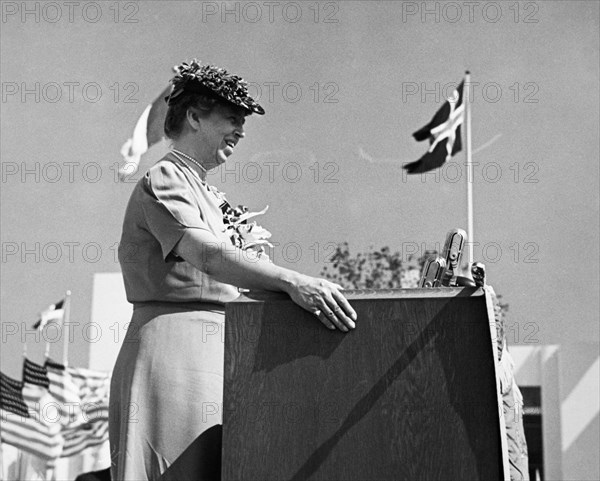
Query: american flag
pixel 84 420
pixel 22 429
pixel 93 385
pixel 35 386
pixel 443 132
pixel 93 433
pixel 40 402
pixel 12 400
pixel 64 390
pixel 56 411
pixel 91 429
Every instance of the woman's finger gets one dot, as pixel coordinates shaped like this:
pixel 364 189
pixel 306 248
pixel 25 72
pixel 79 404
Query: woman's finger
pixel 327 316
pixel 336 314
pixel 333 319
pixel 327 323
pixel 344 304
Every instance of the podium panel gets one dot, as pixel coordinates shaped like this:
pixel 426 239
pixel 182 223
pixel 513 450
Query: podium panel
pixel 410 394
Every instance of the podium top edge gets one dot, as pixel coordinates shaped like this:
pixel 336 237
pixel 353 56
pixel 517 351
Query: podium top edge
pixel 370 294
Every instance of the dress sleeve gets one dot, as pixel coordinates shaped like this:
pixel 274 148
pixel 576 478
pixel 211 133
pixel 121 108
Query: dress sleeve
pixel 170 207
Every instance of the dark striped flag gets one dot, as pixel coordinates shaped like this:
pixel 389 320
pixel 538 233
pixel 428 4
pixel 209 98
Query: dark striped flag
pixel 56 411
pixel 35 374
pixel 12 400
pixel 36 394
pixel 64 391
pixel 443 132
pixel 21 428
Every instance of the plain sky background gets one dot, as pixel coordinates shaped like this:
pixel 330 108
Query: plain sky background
pixel 344 85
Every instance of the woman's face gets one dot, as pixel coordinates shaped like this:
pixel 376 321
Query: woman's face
pixel 220 132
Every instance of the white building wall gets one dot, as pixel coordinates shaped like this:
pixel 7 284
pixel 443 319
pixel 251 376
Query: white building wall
pixel 568 375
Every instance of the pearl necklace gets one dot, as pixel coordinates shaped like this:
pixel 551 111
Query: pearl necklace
pixel 191 159
pixel 219 195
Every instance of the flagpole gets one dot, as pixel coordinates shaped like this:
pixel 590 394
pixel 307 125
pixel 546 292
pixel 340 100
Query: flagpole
pixel 469 165
pixel 65 320
pixel 1 462
pixel 42 326
pixel 47 351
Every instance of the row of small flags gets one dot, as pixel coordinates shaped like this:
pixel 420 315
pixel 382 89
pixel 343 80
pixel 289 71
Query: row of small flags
pixel 443 133
pixel 55 411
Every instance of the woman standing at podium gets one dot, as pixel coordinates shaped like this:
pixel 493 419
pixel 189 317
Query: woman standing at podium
pixel 180 267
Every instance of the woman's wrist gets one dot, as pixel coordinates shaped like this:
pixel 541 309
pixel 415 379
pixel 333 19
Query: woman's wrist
pixel 289 280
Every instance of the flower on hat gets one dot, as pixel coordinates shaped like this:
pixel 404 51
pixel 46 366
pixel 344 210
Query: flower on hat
pixel 215 79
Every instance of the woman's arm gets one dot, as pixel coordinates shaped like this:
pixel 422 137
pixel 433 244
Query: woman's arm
pixel 233 266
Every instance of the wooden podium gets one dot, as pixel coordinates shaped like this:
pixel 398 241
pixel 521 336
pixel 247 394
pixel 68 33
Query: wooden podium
pixel 410 394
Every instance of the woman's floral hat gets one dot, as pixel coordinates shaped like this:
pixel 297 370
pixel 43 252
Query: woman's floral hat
pixel 212 80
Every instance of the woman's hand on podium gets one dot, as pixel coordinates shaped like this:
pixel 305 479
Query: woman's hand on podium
pixel 325 300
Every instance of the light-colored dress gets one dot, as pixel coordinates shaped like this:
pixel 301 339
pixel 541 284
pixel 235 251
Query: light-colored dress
pixel 167 384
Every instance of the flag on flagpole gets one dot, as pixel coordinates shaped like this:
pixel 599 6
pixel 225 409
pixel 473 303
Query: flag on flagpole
pixel 35 375
pixel 91 434
pixel 92 430
pixel 64 390
pixel 56 411
pixel 61 385
pixel 53 313
pixel 94 389
pixel 12 400
pixel 40 403
pixel 443 132
pixel 84 420
pixel 93 385
pixel 148 131
pixel 23 430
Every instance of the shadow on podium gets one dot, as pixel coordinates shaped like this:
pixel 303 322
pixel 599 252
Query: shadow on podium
pixel 410 394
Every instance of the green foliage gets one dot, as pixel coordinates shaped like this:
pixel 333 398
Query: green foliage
pixel 374 269
pixel 379 269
